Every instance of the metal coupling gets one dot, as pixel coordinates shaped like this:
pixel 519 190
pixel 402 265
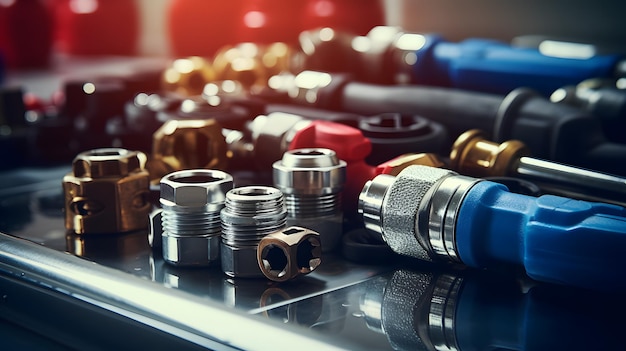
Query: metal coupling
pixel 107 191
pixel 312 181
pixel 249 214
pixel 188 76
pixel 416 211
pixel 187 144
pixel 289 253
pixel 191 202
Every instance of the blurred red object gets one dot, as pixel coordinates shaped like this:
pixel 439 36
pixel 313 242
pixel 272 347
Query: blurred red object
pixel 201 27
pixel 270 21
pixel 351 16
pixel 97 27
pixel 25 33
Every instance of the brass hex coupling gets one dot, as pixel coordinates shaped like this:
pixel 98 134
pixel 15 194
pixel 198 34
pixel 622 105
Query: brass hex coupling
pixel 312 181
pixel 249 214
pixel 191 201
pixel 397 164
pixel 474 155
pixel 107 191
pixel 289 253
pixel 187 144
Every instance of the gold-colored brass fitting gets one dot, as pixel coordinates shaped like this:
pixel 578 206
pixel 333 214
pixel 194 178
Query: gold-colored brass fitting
pixel 473 155
pixel 107 192
pixel 397 164
pixel 252 65
pixel 187 144
pixel 288 253
pixel 188 76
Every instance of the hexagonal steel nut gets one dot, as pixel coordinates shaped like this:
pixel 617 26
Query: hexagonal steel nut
pixel 188 144
pixel 289 253
pixel 107 192
pixel 195 188
pixel 191 251
pixel 240 262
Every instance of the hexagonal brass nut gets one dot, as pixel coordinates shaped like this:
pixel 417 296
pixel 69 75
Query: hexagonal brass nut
pixel 289 253
pixel 187 144
pixel 397 164
pixel 107 192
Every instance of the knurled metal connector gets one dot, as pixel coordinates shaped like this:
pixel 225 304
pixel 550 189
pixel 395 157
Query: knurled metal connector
pixel 416 211
pixel 107 191
pixel 289 253
pixel 191 201
pixel 249 214
pixel 187 144
pixel 312 182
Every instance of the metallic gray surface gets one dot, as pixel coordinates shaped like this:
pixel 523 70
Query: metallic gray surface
pixel 568 181
pixel 442 310
pixel 191 215
pixel 192 318
pixel 312 180
pixel 249 214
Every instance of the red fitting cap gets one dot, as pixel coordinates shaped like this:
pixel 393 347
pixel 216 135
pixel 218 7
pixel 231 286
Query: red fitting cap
pixel 348 143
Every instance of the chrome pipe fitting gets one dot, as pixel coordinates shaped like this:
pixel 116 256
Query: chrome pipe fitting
pixel 416 211
pixel 191 202
pixel 312 181
pixel 250 213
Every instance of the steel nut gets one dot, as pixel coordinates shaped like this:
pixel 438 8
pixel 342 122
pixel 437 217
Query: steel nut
pixel 196 187
pixel 187 144
pixel 240 262
pixel 107 191
pixel 191 251
pixel 289 253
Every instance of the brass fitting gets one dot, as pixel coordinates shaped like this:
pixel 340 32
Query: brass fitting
pixel 188 76
pixel 397 164
pixel 288 253
pixel 187 144
pixel 473 155
pixel 107 192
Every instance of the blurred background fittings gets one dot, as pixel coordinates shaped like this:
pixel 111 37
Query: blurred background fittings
pixel 188 76
pixel 430 213
pixel 394 134
pixel 603 98
pixel 250 213
pixel 568 134
pixel 187 144
pixel 107 192
pixel 253 64
pixel 325 49
pixel 397 164
pixel 191 229
pixel 473 155
pixel 289 253
pixel 312 182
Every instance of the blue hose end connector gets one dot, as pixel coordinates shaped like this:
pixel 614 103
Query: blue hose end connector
pixel 556 239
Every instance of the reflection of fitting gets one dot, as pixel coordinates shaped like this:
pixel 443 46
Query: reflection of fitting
pixel 187 144
pixel 191 202
pixel 250 213
pixel 106 192
pixel 289 253
pixel 312 181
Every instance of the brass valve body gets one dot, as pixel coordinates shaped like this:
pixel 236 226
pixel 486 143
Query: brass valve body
pixel 107 192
